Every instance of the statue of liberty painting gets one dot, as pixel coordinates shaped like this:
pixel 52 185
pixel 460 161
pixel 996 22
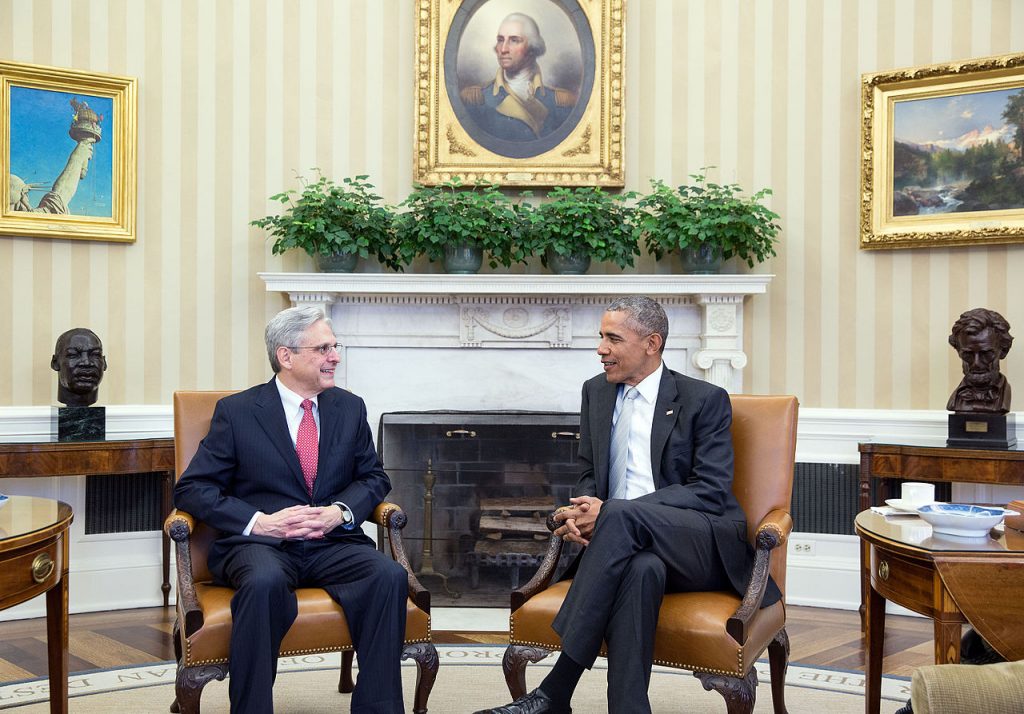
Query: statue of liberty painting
pixel 38 152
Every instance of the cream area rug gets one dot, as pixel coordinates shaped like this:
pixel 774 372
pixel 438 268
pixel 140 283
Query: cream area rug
pixel 469 678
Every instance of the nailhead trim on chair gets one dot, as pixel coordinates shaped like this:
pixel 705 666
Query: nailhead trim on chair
pixel 665 663
pixel 696 668
pixel 289 653
pixel 384 516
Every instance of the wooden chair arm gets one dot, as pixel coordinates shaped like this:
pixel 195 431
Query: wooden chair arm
pixel 174 516
pixel 542 578
pixel 179 526
pixel 772 532
pixel 392 519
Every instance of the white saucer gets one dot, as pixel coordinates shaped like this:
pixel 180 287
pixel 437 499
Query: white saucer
pixel 900 505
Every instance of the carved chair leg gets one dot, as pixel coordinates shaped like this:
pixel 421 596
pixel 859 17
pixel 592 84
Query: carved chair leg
pixel 424 654
pixel 345 682
pixel 177 657
pixel 189 683
pixel 739 692
pixel 514 665
pixel 778 660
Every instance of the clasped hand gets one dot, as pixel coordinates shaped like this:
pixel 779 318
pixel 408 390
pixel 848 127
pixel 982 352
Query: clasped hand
pixel 298 522
pixel 578 519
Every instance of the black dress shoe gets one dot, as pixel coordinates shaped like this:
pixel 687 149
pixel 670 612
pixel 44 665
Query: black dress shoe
pixel 536 702
pixel 975 650
pixel 908 709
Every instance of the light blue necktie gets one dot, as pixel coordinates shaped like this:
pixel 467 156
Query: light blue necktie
pixel 620 445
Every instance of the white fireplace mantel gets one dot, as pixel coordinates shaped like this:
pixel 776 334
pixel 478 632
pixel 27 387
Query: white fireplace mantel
pixel 502 311
pixel 330 285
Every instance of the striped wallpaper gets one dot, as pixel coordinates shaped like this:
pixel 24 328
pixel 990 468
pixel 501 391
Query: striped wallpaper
pixel 237 95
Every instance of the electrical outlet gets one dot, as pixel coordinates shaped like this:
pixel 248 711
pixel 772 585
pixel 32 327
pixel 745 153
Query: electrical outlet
pixel 803 547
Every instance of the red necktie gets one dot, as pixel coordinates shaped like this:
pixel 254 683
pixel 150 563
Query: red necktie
pixel 306 444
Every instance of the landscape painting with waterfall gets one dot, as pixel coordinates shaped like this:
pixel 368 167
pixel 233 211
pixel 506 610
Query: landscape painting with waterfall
pixel 959 153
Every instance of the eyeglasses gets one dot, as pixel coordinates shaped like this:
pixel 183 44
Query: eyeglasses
pixel 324 350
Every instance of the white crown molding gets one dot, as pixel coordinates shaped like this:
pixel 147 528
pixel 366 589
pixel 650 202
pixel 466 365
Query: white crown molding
pixel 832 435
pixel 123 421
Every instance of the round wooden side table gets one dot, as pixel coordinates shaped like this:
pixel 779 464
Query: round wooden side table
pixel 33 561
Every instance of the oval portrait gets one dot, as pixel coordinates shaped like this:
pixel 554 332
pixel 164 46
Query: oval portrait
pixel 519 73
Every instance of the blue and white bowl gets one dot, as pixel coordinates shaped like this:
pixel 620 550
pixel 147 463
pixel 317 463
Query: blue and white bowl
pixel 962 519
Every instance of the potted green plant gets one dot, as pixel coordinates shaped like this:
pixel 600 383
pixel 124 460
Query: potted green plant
pixel 456 223
pixel 335 224
pixel 577 225
pixel 708 223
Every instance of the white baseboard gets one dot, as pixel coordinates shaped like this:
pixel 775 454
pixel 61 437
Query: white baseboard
pixel 123 571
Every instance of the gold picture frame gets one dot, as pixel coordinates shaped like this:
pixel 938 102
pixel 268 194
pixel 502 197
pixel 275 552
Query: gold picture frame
pixel 942 154
pixel 569 130
pixel 67 153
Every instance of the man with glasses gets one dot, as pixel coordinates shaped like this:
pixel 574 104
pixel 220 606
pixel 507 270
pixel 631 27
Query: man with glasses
pixel 286 474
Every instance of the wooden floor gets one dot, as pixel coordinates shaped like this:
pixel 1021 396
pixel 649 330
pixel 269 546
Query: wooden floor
pixel 818 637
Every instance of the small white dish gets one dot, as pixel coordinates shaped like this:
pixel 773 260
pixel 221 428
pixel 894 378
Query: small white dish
pixel 905 506
pixel 962 519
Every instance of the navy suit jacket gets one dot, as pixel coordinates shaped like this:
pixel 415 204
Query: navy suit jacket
pixel 510 128
pixel 691 458
pixel 248 463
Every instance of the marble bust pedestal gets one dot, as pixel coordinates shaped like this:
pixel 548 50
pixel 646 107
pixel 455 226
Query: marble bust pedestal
pixel 80 423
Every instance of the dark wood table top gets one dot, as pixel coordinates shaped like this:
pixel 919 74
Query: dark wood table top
pixel 33 456
pixel 912 533
pixel 937 447
pixel 27 519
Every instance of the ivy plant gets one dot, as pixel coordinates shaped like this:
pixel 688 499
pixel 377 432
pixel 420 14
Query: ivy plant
pixel 583 221
pixel 452 213
pixel 708 213
pixel 325 218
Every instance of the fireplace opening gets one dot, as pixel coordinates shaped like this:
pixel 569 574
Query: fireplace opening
pixel 477 488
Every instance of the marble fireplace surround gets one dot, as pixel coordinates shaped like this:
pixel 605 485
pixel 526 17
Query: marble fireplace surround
pixel 498 341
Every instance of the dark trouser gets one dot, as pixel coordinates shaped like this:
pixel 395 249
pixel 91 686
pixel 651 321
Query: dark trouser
pixel 370 587
pixel 638 552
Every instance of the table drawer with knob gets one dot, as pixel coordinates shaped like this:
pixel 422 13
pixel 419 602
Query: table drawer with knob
pixel 30 572
pixel 905 580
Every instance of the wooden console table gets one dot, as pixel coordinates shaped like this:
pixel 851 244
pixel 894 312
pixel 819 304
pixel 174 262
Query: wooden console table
pixel 916 462
pixel 43 458
pixel 34 560
pixel 950 579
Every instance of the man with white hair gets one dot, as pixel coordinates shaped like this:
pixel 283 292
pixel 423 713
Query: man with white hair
pixel 285 477
pixel 517 105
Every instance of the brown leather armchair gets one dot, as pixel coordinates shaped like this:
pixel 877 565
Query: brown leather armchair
pixel 203 627
pixel 716 635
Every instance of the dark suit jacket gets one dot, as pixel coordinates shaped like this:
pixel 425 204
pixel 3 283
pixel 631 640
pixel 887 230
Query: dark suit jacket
pixel 692 461
pixel 247 463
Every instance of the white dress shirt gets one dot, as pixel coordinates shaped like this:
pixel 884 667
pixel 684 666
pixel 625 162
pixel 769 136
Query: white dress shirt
pixel 292 403
pixel 639 471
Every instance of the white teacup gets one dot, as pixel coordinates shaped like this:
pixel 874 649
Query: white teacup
pixel 914 493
